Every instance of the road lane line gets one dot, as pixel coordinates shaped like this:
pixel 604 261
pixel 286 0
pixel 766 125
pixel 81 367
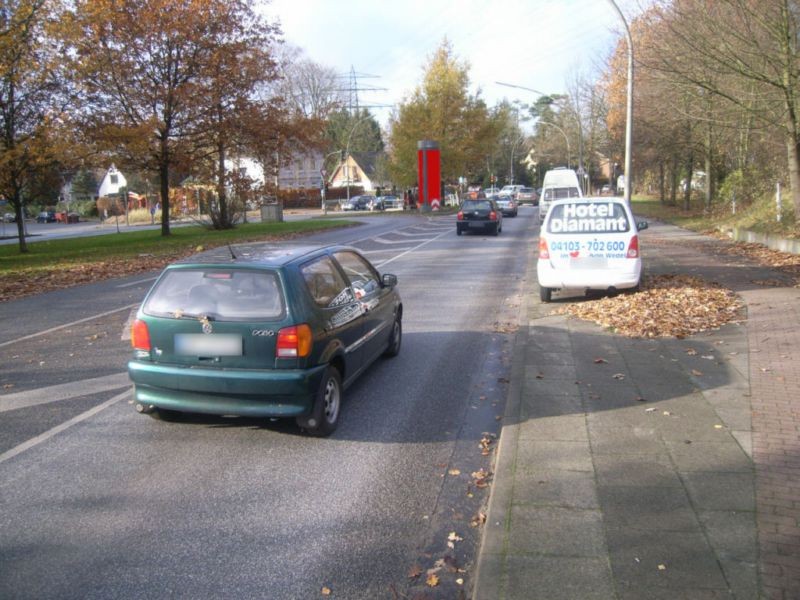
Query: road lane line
pixel 386 262
pixel 17 450
pixel 63 391
pixel 78 322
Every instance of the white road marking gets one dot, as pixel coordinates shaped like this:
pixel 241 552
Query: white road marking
pixel 62 391
pixel 379 240
pixel 17 450
pixel 78 322
pixel 386 262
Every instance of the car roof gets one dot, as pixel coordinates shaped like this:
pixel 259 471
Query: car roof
pixel 265 255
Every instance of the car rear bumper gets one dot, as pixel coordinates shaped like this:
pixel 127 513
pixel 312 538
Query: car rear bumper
pixel 477 225
pixel 589 279
pixel 252 393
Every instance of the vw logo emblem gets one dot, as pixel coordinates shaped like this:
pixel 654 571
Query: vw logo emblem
pixel 207 327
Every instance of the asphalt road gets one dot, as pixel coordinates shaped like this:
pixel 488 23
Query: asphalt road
pixel 97 501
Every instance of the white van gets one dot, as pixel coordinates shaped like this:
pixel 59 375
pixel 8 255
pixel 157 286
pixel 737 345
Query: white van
pixel 558 183
pixel 589 244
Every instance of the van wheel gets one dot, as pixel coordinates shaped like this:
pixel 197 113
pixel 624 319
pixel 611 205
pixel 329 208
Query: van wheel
pixel 545 294
pixel 324 415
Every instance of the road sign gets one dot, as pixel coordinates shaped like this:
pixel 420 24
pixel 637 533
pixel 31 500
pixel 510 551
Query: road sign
pixel 435 204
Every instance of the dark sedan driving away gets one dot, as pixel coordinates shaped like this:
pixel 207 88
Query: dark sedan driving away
pixel 263 331
pixel 481 215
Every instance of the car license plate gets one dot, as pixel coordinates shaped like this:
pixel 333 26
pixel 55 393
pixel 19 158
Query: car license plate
pixel 480 224
pixel 214 344
pixel 588 262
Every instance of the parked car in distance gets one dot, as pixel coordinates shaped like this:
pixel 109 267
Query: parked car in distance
pixel 589 244
pixel 527 195
pixel 511 190
pixel 390 202
pixel 479 215
pixel 357 203
pixel 9 218
pixel 46 216
pixel 267 330
pixel 606 189
pixel 506 205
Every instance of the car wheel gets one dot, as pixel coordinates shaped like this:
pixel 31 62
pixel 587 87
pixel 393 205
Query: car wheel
pixel 545 294
pixel 458 231
pixel 164 414
pixel 324 415
pixel 396 340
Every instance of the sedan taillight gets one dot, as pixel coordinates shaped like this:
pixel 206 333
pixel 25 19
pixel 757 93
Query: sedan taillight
pixel 140 336
pixel 493 216
pixel 633 248
pixel 294 342
pixel 460 216
pixel 544 251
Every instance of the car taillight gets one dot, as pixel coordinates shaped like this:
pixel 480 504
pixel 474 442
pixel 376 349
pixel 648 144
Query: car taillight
pixel 633 247
pixel 544 251
pixel 493 216
pixel 460 216
pixel 140 336
pixel 294 342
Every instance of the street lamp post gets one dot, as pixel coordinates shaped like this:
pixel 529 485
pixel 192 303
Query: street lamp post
pixel 629 107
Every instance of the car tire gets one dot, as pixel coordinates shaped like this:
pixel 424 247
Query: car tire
pixel 545 294
pixel 396 340
pixel 458 231
pixel 324 415
pixel 166 415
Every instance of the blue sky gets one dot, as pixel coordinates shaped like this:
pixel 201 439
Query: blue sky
pixel 538 44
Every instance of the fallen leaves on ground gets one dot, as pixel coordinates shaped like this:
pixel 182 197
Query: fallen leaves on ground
pixel 481 478
pixel 667 306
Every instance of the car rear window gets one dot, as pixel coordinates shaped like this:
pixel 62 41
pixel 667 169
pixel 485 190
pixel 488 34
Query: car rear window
pixel 224 294
pixel 588 217
pixel 476 205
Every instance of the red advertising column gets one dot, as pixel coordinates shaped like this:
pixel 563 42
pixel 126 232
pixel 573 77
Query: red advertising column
pixel 430 174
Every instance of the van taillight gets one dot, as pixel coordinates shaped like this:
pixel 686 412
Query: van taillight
pixel 544 252
pixel 140 336
pixel 633 247
pixel 294 342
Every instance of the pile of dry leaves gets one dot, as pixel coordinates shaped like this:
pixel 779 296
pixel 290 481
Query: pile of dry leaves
pixel 667 305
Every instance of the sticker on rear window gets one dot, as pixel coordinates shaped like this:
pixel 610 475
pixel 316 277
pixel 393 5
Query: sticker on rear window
pixel 607 217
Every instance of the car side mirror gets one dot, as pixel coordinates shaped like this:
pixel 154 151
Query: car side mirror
pixel 388 280
pixel 641 225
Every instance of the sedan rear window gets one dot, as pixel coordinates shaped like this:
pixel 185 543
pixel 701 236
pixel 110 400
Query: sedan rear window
pixel 476 205
pixel 588 217
pixel 225 295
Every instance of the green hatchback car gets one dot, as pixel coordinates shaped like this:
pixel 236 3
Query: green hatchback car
pixel 262 331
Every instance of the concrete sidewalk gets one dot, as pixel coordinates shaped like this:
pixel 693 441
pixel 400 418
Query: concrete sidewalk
pixel 651 468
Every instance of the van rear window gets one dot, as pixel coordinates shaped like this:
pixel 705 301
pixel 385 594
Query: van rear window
pixel 588 217
pixel 559 193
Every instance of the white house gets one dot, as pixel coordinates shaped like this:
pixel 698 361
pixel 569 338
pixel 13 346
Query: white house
pixel 113 181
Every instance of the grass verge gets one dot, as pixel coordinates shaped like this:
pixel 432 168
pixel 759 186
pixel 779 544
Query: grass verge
pixel 63 263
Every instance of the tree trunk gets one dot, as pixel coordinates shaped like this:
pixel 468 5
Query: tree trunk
pixel 163 173
pixel 687 193
pixel 16 202
pixel 793 148
pixel 709 192
pixel 662 182
pixel 673 191
pixel 223 218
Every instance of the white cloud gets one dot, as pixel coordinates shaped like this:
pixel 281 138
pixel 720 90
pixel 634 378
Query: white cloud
pixel 533 43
